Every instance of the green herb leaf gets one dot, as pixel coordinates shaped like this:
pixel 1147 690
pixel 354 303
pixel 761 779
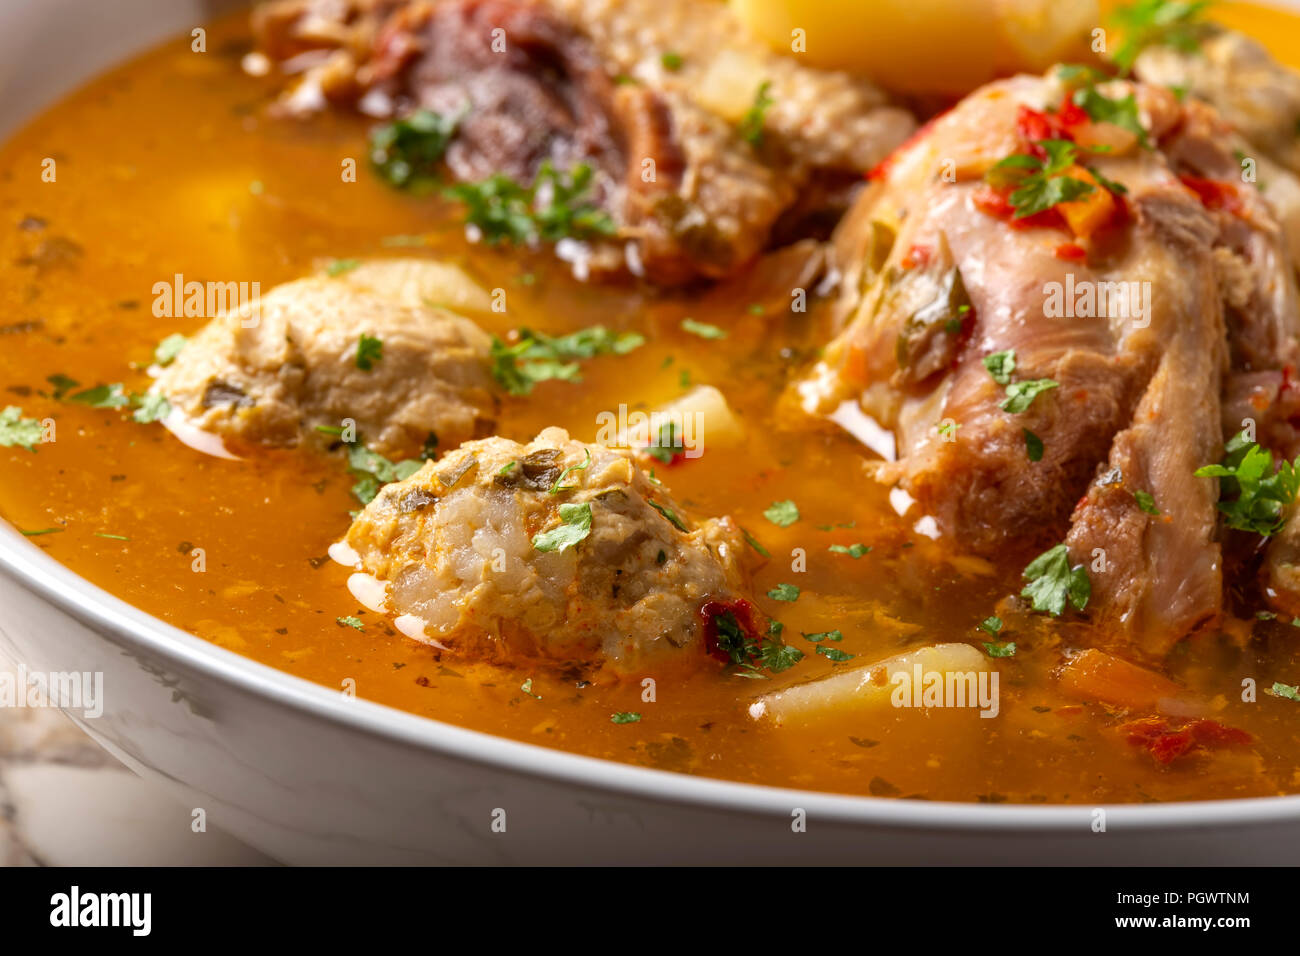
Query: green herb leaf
pixel 1172 23
pixel 1001 365
pixel 102 396
pixel 1020 395
pixel 996 649
pixel 559 484
pixel 1121 112
pixel 836 655
pixel 1033 445
pixel 166 351
pixel 150 407
pixel 1254 495
pixel 668 513
pixel 1052 582
pixel 819 636
pixel 339 266
pixel 782 513
pixel 751 124
pixel 1286 691
pixel 625 717
pixel 784 592
pixel 369 351
pixel 575 525
pixel 991 625
pixel 703 329
pixel 406 153
pixel 537 357
pixel 853 550
pixel 352 622
pixel 19 432
pixel 753 543
pixel 1146 502
pixel 554 207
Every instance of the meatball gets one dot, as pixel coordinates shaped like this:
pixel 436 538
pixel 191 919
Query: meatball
pixel 553 552
pixel 319 351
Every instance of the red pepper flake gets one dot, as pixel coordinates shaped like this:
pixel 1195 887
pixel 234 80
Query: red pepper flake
pixel 1215 194
pixel 1070 252
pixel 1166 742
pixel 918 255
pixel 744 614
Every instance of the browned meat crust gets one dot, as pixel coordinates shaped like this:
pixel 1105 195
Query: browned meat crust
pixel 570 81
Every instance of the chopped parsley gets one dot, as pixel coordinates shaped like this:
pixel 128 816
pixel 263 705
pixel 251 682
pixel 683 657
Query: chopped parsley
pixel 703 329
pixel 753 654
pixel 62 385
pixel 1144 23
pixel 991 625
pixel 352 622
pixel 535 357
pixel 625 717
pixel 1033 445
pixel 406 153
pixel 782 513
pixel 1121 112
pixel 1001 365
pixel 372 471
pixel 369 351
pixel 340 266
pixel 853 550
pixel 1286 691
pixel 834 654
pixel 668 445
pixel 1000 649
pixel 784 592
pixel 1040 184
pixel 753 543
pixel 671 61
pixel 19 432
pixel 102 396
pixel 1020 395
pixel 166 351
pixel 554 207
pixel 1052 582
pixel 575 525
pixel 819 636
pixel 669 514
pixel 150 407
pixel 1147 502
pixel 751 124
pixel 559 484
pixel 1253 494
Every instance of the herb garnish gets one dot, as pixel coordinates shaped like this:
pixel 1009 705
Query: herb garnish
pixel 537 357
pixel 784 592
pixel 16 431
pixel 782 513
pixel 353 622
pixel 554 207
pixel 751 125
pixel 1040 184
pixel 406 153
pixel 703 329
pixel 1258 494
pixel 369 351
pixel 1052 582
pixel 575 525
pixel 1172 23
pixel 752 654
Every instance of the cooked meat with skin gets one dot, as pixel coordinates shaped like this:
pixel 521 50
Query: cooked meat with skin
pixel 942 280
pixel 659 97
pixel 1238 77
pixel 472 545
pixel 298 367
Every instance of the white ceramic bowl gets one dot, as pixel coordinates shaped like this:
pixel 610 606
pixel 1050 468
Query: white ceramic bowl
pixel 310 776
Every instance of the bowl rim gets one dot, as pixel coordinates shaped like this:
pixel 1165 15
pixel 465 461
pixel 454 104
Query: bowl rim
pixel 126 625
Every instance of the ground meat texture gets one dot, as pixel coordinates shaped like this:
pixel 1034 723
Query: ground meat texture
pixel 652 94
pixel 455 544
pixel 296 370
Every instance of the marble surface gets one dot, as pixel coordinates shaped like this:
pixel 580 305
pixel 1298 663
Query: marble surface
pixel 64 801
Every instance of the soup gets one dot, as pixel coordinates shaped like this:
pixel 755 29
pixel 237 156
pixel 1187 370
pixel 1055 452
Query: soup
pixel 173 169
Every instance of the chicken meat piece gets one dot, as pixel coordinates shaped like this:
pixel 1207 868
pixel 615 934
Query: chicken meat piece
pixel 553 552
pixel 1057 359
pixel 314 354
pixel 705 146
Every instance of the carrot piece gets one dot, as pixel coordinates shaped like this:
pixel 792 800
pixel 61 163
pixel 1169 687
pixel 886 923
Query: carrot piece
pixel 1096 675
pixel 1088 213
